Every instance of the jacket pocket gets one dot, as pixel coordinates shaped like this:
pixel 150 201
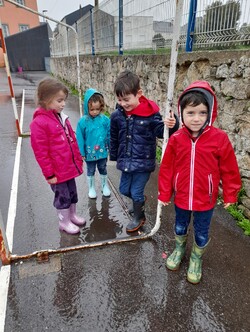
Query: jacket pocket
pixel 210 187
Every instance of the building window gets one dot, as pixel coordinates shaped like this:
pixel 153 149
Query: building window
pixel 21 2
pixel 23 27
pixel 5 28
pixel 1 2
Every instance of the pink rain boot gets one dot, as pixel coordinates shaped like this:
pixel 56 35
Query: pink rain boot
pixel 74 218
pixel 64 222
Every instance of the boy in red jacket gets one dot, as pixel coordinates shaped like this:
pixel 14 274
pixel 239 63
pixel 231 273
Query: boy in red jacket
pixel 198 156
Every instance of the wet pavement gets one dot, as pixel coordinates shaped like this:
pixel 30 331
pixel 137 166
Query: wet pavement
pixel 119 287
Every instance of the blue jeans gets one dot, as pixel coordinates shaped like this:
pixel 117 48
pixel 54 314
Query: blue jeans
pixel 201 222
pixel 132 185
pixel 101 165
pixel 65 194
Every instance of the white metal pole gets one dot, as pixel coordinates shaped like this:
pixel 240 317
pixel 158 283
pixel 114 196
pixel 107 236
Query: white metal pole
pixel 77 47
pixel 172 68
pixel 171 81
pixel 7 66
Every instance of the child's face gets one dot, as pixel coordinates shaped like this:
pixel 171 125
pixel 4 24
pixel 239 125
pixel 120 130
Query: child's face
pixel 94 109
pixel 194 117
pixel 129 101
pixel 58 102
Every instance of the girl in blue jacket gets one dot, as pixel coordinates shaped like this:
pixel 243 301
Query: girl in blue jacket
pixel 135 125
pixel 93 134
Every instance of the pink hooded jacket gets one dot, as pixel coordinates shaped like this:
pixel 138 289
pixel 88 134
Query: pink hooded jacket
pixel 192 169
pixel 55 146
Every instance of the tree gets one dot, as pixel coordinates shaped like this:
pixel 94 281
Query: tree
pixel 219 16
pixel 158 40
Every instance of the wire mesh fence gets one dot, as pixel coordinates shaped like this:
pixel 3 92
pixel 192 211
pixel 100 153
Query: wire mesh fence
pixel 145 26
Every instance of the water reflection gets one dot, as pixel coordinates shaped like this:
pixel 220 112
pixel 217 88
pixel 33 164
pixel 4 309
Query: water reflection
pixel 204 319
pixel 67 288
pixel 103 225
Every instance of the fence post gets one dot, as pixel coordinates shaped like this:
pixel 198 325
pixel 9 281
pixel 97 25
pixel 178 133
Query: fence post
pixel 191 25
pixel 4 248
pixel 92 32
pixel 121 27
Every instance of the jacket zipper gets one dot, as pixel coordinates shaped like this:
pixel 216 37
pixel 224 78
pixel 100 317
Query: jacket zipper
pixel 70 139
pixel 191 183
pixel 210 187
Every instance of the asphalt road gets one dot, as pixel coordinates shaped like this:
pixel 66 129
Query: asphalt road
pixel 122 287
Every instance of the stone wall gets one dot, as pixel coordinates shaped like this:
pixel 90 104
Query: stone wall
pixel 228 72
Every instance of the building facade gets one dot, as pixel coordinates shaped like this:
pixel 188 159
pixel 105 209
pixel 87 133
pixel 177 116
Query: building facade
pixel 15 19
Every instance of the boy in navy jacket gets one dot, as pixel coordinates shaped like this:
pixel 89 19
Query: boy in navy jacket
pixel 135 125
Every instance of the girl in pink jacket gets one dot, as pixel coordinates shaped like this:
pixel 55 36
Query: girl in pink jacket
pixel 197 158
pixel 55 147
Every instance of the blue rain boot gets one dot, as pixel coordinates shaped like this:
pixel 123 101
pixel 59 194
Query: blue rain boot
pixel 91 183
pixel 74 218
pixel 105 187
pixel 64 222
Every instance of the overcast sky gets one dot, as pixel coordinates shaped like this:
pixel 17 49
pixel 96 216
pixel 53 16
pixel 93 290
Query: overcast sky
pixel 57 9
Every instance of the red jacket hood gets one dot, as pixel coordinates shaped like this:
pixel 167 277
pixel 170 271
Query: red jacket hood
pixel 145 108
pixel 205 88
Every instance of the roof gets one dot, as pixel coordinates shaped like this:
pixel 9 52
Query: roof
pixel 71 18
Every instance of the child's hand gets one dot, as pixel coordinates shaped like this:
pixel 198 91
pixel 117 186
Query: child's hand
pixel 164 203
pixel 53 180
pixel 226 205
pixel 170 121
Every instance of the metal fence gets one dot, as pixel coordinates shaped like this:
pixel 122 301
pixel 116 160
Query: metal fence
pixel 140 26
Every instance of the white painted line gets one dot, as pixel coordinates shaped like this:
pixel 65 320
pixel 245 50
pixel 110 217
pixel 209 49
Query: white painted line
pixel 22 110
pixel 4 286
pixel 5 270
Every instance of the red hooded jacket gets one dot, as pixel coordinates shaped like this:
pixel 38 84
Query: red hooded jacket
pixel 55 146
pixel 192 170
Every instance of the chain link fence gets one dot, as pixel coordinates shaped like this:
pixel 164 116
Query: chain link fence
pixel 146 27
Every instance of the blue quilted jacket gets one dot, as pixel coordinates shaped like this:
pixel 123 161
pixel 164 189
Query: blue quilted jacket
pixel 133 140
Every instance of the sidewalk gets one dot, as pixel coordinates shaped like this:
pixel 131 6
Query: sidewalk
pixel 115 288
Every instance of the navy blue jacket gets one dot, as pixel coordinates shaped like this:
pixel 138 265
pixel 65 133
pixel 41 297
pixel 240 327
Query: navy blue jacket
pixel 133 140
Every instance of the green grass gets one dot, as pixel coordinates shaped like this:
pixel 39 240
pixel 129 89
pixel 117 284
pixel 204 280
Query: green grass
pixel 158 154
pixel 146 51
pixel 238 215
pixel 167 50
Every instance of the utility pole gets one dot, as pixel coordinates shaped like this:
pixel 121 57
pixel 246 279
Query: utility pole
pixel 44 11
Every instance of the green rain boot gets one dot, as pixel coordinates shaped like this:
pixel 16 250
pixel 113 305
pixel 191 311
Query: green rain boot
pixel 174 260
pixel 195 264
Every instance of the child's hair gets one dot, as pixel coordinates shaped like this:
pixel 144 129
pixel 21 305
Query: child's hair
pixel 47 88
pixel 95 98
pixel 193 98
pixel 126 83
